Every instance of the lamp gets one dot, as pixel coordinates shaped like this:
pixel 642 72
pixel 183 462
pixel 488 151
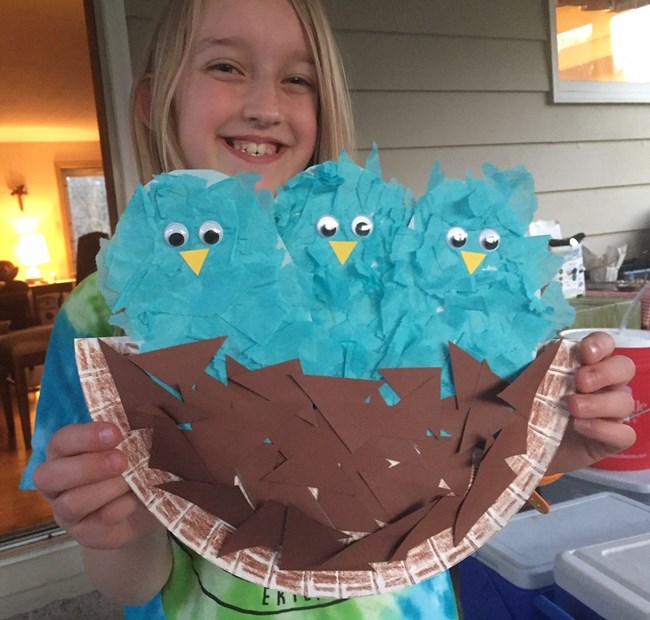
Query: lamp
pixel 31 251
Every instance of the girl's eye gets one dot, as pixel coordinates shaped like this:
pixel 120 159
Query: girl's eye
pixel 362 226
pixel 489 239
pixel 223 67
pixel 327 226
pixel 176 234
pixel 300 83
pixel 211 232
pixel 298 80
pixel 456 237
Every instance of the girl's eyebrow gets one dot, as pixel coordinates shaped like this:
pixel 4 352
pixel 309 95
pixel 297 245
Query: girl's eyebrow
pixel 212 42
pixel 208 42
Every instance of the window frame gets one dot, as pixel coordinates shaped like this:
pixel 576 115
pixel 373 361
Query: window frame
pixel 73 169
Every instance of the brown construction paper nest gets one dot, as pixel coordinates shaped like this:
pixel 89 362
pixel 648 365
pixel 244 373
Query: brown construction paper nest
pixel 315 485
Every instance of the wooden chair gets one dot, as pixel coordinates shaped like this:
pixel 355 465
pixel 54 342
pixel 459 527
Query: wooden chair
pixel 14 304
pixel 20 350
pixel 87 248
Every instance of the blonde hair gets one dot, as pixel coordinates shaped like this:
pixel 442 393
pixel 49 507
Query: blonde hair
pixel 154 128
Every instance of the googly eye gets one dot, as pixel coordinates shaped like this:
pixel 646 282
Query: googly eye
pixel 176 234
pixel 362 226
pixel 456 237
pixel 327 226
pixel 211 232
pixel 489 239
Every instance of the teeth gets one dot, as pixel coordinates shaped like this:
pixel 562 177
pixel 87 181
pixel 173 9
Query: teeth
pixel 256 150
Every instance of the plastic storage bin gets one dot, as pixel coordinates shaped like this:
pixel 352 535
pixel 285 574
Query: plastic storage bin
pixel 632 484
pixel 610 580
pixel 511 576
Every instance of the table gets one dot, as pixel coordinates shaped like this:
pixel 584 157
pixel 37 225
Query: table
pixel 46 299
pixel 605 311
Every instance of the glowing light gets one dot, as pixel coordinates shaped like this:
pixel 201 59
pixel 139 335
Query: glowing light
pixel 40 133
pixel 631 44
pixel 31 252
pixel 25 225
pixel 574 37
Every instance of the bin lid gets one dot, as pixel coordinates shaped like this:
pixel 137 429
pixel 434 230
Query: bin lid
pixel 523 552
pixel 612 579
pixel 634 481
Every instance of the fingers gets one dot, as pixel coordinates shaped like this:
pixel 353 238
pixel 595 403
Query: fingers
pixel 615 404
pixel 75 504
pixel 58 475
pixel 599 407
pixel 82 480
pixel 80 454
pixel 110 526
pixel 616 370
pixel 80 438
pixel 595 347
pixel 611 436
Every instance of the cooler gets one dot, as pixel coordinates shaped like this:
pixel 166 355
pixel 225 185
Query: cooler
pixel 609 580
pixel 633 484
pixel 511 576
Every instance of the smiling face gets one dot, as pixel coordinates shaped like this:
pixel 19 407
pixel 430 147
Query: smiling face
pixel 247 99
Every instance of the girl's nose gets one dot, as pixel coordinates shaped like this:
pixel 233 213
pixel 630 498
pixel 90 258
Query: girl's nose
pixel 262 105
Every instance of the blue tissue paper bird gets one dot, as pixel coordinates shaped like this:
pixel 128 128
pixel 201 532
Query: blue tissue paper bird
pixel 340 223
pixel 476 278
pixel 197 255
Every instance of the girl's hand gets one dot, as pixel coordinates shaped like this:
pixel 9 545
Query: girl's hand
pixel 81 479
pixel 598 408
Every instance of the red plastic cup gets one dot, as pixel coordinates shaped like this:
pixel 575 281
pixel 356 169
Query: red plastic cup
pixel 635 344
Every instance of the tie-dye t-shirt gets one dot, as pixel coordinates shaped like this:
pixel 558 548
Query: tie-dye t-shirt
pixel 196 588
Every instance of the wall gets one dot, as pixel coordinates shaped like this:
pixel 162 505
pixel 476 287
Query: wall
pixel 37 161
pixel 469 81
pixel 141 16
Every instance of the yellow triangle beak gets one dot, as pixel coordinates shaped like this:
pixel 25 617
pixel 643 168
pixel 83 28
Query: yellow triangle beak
pixel 343 249
pixel 195 259
pixel 472 260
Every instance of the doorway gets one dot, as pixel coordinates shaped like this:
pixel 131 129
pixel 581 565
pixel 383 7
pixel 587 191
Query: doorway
pixel 48 127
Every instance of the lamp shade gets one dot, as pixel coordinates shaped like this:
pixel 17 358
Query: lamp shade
pixel 31 250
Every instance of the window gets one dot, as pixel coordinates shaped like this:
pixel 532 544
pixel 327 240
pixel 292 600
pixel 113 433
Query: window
pixel 83 196
pixel 600 50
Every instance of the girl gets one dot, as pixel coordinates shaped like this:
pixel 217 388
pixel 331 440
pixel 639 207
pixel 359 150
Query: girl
pixel 238 86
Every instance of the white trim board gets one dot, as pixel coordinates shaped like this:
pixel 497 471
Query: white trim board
pixel 36 574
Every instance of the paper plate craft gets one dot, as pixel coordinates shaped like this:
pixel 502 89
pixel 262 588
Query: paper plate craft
pixel 296 405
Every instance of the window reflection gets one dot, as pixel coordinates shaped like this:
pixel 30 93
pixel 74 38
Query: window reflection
pixel 603 44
